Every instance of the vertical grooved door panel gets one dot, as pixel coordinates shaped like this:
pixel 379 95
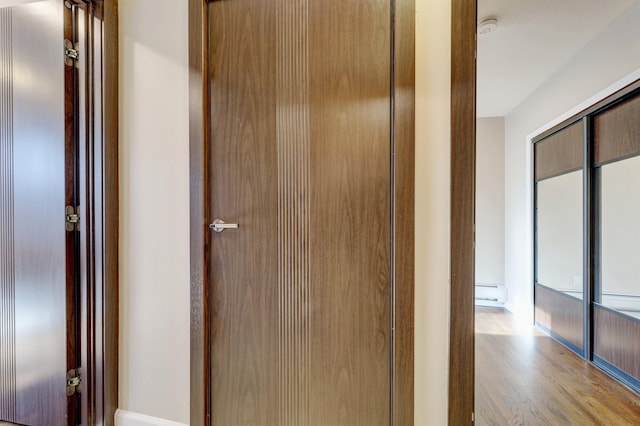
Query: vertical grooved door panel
pixel 300 158
pixel 293 146
pixel 7 279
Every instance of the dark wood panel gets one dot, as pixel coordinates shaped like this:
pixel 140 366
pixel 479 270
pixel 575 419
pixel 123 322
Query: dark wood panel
pixel 562 152
pixel 616 131
pixel 358 85
pixel 200 361
pixel 617 340
pixel 560 313
pixel 524 377
pixel 244 189
pixel 463 148
pixel 72 296
pixel 39 195
pixel 109 323
pixel 293 146
pixel 403 214
pixel 91 189
pixel 97 195
pixel 351 208
pixel 7 259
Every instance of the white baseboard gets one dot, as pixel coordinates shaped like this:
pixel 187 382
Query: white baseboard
pixel 127 418
pixel 509 307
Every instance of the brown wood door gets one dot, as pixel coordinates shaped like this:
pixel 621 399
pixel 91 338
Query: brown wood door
pixel 37 254
pixel 300 158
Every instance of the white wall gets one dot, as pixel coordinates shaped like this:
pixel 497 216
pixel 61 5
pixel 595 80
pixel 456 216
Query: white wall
pixel 154 257
pixel 607 59
pixel 154 209
pixel 490 200
pixel 433 121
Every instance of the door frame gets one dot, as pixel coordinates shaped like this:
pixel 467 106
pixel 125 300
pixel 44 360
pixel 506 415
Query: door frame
pixel 463 173
pixel 99 311
pixel 402 246
pixel 102 301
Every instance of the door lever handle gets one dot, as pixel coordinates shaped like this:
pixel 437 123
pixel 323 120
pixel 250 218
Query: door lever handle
pixel 220 225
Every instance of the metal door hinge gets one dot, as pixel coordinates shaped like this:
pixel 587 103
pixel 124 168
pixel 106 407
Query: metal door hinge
pixel 74 381
pixel 72 219
pixel 71 53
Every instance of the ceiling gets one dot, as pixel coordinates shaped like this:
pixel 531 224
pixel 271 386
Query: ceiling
pixel 533 40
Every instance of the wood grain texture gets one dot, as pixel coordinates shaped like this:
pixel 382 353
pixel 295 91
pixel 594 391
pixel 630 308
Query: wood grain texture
pixel 463 148
pixel 403 210
pixel 39 232
pixel 560 313
pixel 109 323
pixel 616 339
pixel 244 189
pixel 200 362
pixel 72 248
pixel 525 377
pixel 7 258
pixel 350 363
pixel 351 212
pixel 293 141
pixel 560 153
pixel 616 131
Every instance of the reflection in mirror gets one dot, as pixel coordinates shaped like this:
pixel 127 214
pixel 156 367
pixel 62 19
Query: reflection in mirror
pixel 559 233
pixel 620 236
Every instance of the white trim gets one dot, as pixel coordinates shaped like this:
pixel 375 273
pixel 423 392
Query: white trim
pixel 624 82
pixel 127 418
pixel 509 307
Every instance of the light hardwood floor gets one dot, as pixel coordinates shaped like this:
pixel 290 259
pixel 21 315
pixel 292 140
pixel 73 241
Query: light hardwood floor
pixel 523 377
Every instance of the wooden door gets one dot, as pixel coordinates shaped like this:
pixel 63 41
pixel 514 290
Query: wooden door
pixel 37 254
pixel 300 157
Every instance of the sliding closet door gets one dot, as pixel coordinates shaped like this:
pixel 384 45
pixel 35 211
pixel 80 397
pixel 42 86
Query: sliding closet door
pixel 616 312
pixel 559 283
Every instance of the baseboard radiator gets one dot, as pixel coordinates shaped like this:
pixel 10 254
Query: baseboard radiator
pixel 490 294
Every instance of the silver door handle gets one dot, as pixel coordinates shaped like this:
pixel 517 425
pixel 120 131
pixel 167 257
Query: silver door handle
pixel 219 225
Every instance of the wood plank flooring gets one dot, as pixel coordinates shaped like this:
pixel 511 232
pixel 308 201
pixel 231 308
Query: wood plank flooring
pixel 523 377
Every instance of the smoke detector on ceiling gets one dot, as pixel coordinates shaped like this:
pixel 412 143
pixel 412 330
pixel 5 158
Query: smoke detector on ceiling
pixel 487 25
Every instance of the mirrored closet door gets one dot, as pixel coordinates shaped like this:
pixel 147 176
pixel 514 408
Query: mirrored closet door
pixel 587 234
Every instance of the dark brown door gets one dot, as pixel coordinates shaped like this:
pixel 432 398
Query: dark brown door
pixel 37 254
pixel 300 160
